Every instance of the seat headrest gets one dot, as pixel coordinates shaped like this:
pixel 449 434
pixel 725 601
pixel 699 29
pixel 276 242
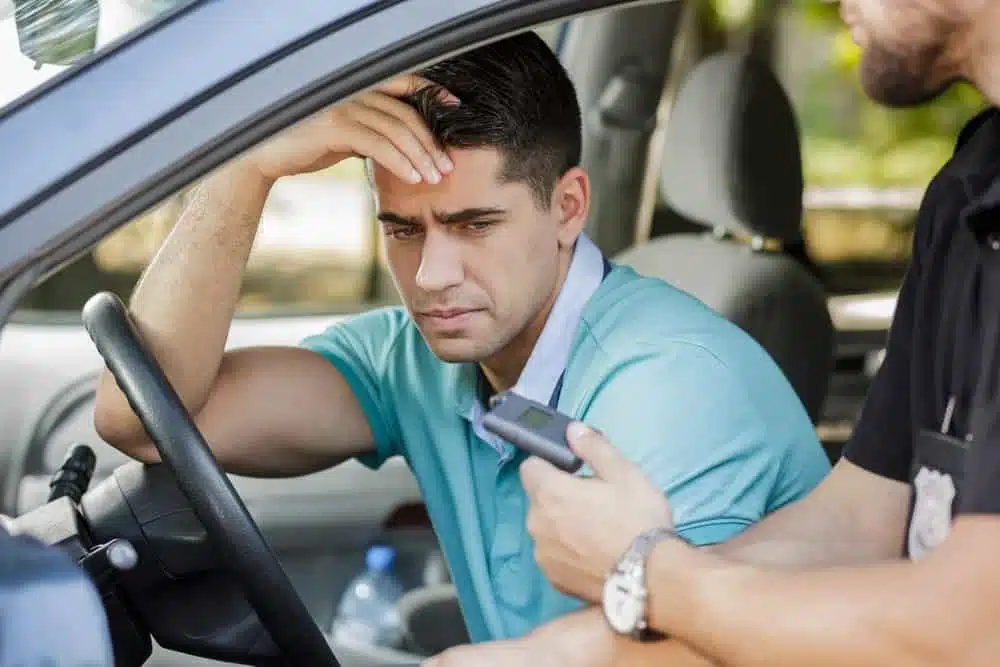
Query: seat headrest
pixel 732 157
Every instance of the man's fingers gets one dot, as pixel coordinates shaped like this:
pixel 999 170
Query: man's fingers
pixel 401 86
pixel 375 145
pixel 415 123
pixel 598 453
pixel 399 134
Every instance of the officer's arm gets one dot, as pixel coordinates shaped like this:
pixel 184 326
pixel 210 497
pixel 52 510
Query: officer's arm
pixel 852 517
pixel 938 611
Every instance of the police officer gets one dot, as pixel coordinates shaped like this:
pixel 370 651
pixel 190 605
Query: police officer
pixel 895 558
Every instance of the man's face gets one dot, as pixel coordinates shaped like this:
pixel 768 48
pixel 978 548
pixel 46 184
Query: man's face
pixel 908 47
pixel 476 260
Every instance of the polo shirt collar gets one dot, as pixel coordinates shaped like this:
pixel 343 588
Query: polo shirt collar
pixel 550 355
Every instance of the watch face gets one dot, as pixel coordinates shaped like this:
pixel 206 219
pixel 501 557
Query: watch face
pixel 624 603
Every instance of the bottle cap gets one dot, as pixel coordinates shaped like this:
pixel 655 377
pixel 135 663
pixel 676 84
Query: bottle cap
pixel 379 558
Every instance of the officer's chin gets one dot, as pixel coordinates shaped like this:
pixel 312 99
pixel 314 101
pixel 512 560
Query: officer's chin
pixel 901 83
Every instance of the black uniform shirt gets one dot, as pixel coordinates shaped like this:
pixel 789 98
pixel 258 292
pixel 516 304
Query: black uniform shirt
pixel 944 342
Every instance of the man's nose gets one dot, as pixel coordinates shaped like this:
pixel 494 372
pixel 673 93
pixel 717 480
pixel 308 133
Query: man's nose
pixel 440 262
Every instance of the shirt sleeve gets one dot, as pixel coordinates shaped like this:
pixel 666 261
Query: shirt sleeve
pixel 882 440
pixel 690 423
pixel 360 348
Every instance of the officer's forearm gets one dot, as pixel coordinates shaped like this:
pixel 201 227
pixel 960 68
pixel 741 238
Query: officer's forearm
pixel 939 611
pixel 854 517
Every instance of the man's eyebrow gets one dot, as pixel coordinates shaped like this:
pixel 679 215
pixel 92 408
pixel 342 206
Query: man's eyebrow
pixel 469 214
pixel 396 219
pixel 458 217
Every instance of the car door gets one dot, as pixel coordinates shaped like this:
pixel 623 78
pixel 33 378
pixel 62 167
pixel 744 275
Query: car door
pixel 104 141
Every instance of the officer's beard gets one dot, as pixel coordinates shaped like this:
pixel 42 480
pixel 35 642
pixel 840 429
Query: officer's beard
pixel 902 76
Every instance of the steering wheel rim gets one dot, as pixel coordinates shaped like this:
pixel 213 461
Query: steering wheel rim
pixel 214 499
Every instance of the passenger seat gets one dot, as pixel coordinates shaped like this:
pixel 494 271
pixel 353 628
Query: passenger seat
pixel 732 164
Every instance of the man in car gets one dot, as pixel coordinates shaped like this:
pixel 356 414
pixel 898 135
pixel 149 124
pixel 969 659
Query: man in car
pixel 893 559
pixel 476 176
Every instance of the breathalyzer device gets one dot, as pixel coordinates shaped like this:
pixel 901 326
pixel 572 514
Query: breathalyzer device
pixel 533 428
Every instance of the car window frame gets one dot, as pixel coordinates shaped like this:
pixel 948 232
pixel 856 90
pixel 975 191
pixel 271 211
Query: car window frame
pixel 60 216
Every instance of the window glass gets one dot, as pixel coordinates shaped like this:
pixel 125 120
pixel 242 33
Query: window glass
pixel 317 250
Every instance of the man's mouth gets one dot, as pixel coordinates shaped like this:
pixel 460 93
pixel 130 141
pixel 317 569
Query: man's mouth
pixel 448 313
pixel 445 319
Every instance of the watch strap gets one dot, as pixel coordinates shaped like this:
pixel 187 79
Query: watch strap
pixel 633 562
pixel 642 546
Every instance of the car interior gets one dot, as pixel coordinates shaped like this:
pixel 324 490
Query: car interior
pixel 697 170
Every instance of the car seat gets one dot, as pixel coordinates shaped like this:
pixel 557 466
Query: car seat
pixel 732 165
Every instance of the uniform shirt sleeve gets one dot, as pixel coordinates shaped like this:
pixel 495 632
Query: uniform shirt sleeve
pixel 690 423
pixel 882 440
pixel 360 349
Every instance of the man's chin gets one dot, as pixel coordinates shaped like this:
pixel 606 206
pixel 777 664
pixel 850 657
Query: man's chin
pixel 455 347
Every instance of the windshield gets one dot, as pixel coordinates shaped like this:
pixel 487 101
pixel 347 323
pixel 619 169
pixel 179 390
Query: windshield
pixel 41 38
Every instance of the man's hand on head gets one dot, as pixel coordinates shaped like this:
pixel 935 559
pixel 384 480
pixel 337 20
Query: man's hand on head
pixel 581 526
pixel 375 124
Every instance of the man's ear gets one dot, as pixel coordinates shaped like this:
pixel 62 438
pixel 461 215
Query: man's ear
pixel 571 204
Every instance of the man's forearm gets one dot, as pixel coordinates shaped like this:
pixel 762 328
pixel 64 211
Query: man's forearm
pixel 584 639
pixel 186 298
pixel 935 612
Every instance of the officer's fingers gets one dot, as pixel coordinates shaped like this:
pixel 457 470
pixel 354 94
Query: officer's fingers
pixel 598 453
pixel 538 474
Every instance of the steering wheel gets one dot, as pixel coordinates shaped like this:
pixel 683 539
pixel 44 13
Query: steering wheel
pixel 214 500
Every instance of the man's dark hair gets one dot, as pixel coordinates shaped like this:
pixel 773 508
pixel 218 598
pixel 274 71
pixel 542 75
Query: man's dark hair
pixel 514 96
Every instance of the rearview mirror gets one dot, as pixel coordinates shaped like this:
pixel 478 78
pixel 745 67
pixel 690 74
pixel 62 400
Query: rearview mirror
pixel 56 32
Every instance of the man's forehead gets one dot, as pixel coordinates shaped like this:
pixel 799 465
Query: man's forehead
pixel 481 163
pixel 475 182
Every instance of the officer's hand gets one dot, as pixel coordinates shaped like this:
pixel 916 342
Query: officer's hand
pixel 582 526
pixel 375 124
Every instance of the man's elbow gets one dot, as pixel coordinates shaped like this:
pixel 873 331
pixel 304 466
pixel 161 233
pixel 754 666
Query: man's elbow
pixel 117 424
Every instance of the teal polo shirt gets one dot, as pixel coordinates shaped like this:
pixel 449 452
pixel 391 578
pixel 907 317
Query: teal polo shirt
pixel 683 393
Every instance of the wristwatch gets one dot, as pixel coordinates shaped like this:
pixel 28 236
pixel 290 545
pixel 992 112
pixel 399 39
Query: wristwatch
pixel 625 594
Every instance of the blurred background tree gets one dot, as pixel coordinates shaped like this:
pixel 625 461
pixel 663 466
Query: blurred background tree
pixel 848 139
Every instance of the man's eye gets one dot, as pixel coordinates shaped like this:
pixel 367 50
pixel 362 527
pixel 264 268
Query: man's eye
pixel 401 233
pixel 478 225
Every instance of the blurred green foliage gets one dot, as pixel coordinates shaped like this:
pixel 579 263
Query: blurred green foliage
pixel 848 139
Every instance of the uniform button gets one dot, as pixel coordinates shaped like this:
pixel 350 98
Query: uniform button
pixel 993 240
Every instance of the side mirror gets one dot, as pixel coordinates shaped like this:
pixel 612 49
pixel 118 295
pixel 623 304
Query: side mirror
pixel 56 32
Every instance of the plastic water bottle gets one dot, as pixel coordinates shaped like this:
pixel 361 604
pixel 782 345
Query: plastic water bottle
pixel 367 613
